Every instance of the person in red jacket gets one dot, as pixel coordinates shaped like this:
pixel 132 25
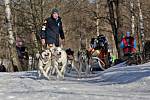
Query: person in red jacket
pixel 128 44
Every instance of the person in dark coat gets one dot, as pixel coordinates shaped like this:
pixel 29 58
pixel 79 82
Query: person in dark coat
pixel 52 30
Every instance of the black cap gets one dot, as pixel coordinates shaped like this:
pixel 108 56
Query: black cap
pixel 55 10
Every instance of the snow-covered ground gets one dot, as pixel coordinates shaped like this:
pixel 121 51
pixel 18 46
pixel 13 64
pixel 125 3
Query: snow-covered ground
pixel 117 83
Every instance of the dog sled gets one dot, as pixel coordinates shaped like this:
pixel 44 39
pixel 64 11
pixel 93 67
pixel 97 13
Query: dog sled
pixel 99 53
pixel 134 58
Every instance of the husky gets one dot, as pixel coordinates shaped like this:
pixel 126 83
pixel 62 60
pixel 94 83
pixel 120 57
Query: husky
pixel 44 63
pixel 84 62
pixel 59 61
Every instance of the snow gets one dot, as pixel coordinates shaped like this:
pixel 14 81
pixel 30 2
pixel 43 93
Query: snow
pixel 116 83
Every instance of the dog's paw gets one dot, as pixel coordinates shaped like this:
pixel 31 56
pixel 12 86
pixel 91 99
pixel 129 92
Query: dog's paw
pixel 60 77
pixel 39 75
pixel 48 78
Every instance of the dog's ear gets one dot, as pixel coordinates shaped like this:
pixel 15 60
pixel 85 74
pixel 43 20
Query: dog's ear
pixel 43 54
pixel 43 50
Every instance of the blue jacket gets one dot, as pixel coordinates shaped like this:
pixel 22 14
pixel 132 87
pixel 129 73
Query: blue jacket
pixel 51 30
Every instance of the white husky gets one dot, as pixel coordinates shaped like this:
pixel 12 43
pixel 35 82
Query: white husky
pixel 51 61
pixel 59 61
pixel 45 63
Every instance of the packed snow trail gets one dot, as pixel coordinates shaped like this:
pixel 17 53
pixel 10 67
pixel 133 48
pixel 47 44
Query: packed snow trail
pixel 116 83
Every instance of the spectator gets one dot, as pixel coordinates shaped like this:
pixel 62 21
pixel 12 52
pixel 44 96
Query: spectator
pixel 128 44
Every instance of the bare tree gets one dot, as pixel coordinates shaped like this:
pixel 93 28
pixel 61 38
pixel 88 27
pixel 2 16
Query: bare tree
pixel 11 40
pixel 80 18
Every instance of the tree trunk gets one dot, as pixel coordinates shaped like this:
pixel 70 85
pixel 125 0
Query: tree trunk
pixel 132 17
pixel 141 25
pixel 97 17
pixel 11 40
pixel 123 20
pixel 112 15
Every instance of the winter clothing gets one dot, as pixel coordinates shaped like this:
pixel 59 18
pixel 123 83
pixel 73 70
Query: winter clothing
pixel 99 43
pixel 51 30
pixel 22 53
pixel 128 44
pixel 54 11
